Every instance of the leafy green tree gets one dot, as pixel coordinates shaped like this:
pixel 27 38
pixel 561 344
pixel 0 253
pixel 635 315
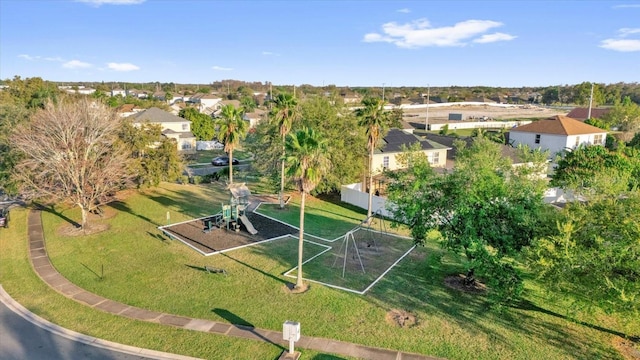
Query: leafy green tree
pixel 596 254
pixel 375 119
pixel 11 114
pixel 284 113
pixel 231 129
pixel 579 169
pixel 155 158
pixel 306 164
pixel 484 209
pixel 202 125
pixel 338 123
pixel 625 114
pixel 550 96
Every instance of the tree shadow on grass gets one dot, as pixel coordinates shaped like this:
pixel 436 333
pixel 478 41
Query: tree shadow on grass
pixel 529 306
pixel 121 206
pixel 51 209
pixel 416 285
pixel 255 269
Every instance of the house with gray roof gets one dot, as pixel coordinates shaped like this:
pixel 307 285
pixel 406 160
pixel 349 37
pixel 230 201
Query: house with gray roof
pixel 173 127
pixel 396 140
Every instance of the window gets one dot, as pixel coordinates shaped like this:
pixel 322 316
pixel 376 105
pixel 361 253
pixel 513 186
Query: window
pixel 385 162
pixel 434 158
pixel 577 141
pixel 185 127
pixel 597 139
pixel 537 138
pixel 186 146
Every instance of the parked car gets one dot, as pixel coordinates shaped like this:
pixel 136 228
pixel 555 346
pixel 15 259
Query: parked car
pixel 4 217
pixel 223 161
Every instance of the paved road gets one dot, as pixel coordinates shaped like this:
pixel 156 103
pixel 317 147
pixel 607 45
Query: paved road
pixel 21 339
pixel 210 169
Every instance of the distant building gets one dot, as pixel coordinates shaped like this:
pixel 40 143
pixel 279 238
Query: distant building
pixel 173 127
pixel 582 114
pixel 557 134
pixel 385 157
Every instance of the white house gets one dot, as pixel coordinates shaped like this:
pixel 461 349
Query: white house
pixel 557 134
pixel 206 102
pixel 255 117
pixel 173 127
pixel 385 157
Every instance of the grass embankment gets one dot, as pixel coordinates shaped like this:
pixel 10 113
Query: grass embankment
pixel 145 269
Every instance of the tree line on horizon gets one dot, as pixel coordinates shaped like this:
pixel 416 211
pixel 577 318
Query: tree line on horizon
pixel 567 94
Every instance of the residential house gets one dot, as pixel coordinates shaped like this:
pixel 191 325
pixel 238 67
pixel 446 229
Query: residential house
pixel 206 103
pixel 385 157
pixel 255 117
pixel 127 110
pixel 582 114
pixel 557 134
pixel 121 92
pixel 173 127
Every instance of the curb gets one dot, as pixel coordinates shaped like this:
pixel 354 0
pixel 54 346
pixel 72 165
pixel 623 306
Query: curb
pixel 17 308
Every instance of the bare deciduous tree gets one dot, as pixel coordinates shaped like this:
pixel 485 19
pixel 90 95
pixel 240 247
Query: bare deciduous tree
pixel 71 154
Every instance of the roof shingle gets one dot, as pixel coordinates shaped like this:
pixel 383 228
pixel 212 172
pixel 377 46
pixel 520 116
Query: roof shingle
pixel 559 125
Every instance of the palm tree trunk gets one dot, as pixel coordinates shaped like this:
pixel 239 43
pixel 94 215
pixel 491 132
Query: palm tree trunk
pixel 282 182
pixel 299 283
pixel 230 166
pixel 370 186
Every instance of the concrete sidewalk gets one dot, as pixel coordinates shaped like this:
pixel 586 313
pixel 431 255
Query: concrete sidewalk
pixel 43 267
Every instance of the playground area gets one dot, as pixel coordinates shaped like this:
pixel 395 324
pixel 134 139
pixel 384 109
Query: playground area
pixel 353 262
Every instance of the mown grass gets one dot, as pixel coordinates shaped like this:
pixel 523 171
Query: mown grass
pixel 143 268
pixel 324 219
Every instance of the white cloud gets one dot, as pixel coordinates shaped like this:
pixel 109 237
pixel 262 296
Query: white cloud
pixel 628 31
pixel 111 2
pixel 489 38
pixel 76 64
pixel 57 58
pixel 405 11
pixel 420 33
pixel 625 6
pixel 122 67
pixel 28 57
pixel 623 45
pixel 269 53
pixel 220 68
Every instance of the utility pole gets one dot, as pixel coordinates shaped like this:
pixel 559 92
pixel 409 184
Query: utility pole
pixel 590 102
pixel 382 92
pixel 426 123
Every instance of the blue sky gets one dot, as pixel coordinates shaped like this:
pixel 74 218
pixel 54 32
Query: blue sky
pixel 345 43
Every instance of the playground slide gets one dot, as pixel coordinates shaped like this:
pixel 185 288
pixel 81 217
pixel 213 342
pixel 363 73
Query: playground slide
pixel 248 225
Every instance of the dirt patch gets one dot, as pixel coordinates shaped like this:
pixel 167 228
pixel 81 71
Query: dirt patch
pixel 401 318
pixel 627 348
pixel 94 224
pixel 458 282
pixel 72 230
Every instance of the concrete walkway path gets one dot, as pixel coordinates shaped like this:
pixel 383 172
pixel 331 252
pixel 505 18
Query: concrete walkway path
pixel 46 271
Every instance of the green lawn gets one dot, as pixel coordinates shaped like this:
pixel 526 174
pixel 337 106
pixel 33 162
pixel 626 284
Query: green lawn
pixel 143 268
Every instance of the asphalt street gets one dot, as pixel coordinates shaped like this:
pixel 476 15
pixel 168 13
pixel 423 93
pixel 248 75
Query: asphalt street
pixel 21 339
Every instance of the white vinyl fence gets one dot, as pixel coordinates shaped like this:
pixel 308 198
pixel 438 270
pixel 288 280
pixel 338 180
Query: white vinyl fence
pixel 353 195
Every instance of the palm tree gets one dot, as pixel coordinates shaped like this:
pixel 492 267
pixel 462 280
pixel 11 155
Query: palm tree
pixel 307 164
pixel 284 114
pixel 375 118
pixel 231 128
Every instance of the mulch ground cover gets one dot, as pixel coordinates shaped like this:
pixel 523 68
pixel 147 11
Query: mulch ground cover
pixel 220 239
